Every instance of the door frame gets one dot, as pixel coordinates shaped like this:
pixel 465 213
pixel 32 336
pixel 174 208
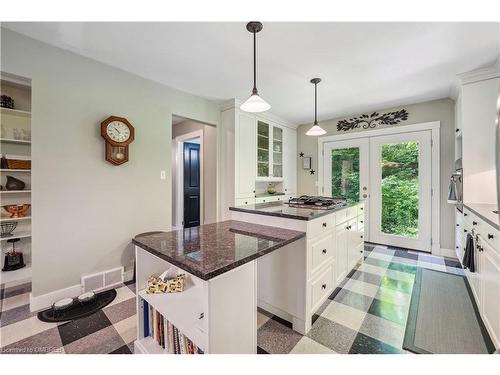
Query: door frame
pixel 434 127
pixel 179 177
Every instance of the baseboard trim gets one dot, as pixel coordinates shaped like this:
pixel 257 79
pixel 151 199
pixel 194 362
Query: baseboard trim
pixel 448 253
pixel 46 300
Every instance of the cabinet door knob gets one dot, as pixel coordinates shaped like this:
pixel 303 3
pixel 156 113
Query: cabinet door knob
pixel 324 225
pixel 474 223
pixel 361 208
pixel 361 251
pixel 458 225
pixel 456 247
pixel 456 130
pixel 490 236
pixel 465 213
pixel 361 236
pixel 361 221
pixel 324 251
pixel 323 286
pixel 465 230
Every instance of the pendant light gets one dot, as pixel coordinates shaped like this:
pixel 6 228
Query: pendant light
pixel 254 103
pixel 316 129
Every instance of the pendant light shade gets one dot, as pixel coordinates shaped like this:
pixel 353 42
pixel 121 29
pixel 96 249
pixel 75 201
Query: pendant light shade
pixel 255 103
pixel 316 129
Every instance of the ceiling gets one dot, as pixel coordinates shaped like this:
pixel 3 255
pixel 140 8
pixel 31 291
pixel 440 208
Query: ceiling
pixel 364 66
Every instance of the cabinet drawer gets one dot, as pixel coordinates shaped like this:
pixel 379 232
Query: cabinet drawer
pixel 352 212
pixel 321 252
pixel 320 226
pixel 244 201
pixel 321 287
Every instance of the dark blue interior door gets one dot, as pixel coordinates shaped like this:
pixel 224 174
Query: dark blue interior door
pixel 191 185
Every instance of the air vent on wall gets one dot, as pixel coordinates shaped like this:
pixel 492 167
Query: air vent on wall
pixel 101 280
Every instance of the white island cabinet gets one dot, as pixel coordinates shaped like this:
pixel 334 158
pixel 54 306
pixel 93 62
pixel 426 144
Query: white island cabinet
pixel 293 282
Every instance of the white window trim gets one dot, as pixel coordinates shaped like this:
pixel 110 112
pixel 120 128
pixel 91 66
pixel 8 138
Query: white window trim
pixel 434 126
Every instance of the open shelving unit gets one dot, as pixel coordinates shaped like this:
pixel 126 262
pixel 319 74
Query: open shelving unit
pixel 15 139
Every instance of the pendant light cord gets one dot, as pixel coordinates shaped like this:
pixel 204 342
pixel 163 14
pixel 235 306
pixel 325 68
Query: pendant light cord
pixel 254 91
pixel 315 104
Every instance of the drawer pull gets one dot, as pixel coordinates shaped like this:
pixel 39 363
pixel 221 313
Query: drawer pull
pixel 361 208
pixel 465 213
pixel 474 223
pixel 465 230
pixel 324 225
pixel 490 236
pixel 324 251
pixel 361 236
pixel 323 286
pixel 456 247
pixel 361 221
pixel 458 225
pixel 361 251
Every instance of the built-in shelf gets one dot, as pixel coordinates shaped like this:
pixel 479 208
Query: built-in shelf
pixel 16 112
pixel 16 170
pixel 15 141
pixel 6 219
pixel 14 191
pixel 15 235
pixel 20 274
pixel 148 345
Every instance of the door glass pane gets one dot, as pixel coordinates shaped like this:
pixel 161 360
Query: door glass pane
pixel 400 187
pixel 262 149
pixel 345 173
pixel 277 152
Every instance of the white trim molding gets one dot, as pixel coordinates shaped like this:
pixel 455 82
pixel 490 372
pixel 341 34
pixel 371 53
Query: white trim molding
pixel 434 127
pixel 46 300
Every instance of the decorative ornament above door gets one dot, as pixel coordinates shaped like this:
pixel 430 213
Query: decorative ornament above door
pixel 371 121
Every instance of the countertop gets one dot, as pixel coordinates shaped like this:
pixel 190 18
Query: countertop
pixel 282 209
pixel 213 249
pixel 485 212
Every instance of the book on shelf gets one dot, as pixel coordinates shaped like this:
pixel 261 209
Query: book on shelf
pixel 165 333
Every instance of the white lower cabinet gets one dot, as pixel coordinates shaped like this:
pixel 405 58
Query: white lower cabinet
pixel 341 252
pixel 489 280
pixel 322 287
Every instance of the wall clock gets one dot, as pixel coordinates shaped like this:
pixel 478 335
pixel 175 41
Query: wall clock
pixel 118 133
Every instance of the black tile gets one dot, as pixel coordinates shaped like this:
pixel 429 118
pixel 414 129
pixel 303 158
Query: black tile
pixel 405 254
pixel 314 318
pixel 335 292
pixel 282 321
pixel 368 345
pixel 79 328
pixel 452 263
pixel 122 350
pixel 15 315
pixel 261 351
pixel 389 311
pixel 402 267
pixel 16 290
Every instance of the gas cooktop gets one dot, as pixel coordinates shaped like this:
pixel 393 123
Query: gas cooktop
pixel 317 202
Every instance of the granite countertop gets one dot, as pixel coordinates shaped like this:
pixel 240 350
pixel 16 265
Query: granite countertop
pixel 485 212
pixel 282 209
pixel 213 249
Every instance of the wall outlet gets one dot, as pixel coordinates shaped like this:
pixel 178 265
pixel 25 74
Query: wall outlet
pixel 163 175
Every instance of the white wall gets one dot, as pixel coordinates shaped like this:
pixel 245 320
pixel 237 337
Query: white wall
pixel 85 210
pixel 209 166
pixel 437 110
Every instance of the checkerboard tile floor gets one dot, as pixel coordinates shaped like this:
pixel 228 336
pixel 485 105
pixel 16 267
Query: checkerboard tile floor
pixel 366 314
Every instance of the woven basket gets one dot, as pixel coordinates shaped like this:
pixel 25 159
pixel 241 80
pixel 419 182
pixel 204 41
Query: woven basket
pixel 18 164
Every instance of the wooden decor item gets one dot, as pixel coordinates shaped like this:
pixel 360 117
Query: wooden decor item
pixel 118 133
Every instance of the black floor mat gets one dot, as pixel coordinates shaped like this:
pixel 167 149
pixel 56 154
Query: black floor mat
pixel 78 310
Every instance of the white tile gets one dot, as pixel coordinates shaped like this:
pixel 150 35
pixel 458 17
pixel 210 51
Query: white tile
pixel 127 329
pixel 361 287
pixel 122 294
pixel 261 319
pixel 383 330
pixel 372 269
pixel 387 258
pixel 438 267
pixel 308 346
pixel 15 301
pixel 23 329
pixel 345 315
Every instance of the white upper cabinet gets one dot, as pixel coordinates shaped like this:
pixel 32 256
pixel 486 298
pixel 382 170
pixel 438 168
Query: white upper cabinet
pixel 270 143
pixel 290 161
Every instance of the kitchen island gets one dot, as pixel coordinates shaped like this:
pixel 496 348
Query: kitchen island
pixel 294 281
pixel 217 310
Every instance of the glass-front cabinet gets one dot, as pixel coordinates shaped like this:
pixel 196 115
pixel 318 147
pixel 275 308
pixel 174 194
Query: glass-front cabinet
pixel 269 151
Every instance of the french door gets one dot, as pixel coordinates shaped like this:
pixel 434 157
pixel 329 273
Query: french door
pixel 392 175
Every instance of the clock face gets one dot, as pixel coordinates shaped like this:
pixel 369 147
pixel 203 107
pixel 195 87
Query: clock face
pixel 118 131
